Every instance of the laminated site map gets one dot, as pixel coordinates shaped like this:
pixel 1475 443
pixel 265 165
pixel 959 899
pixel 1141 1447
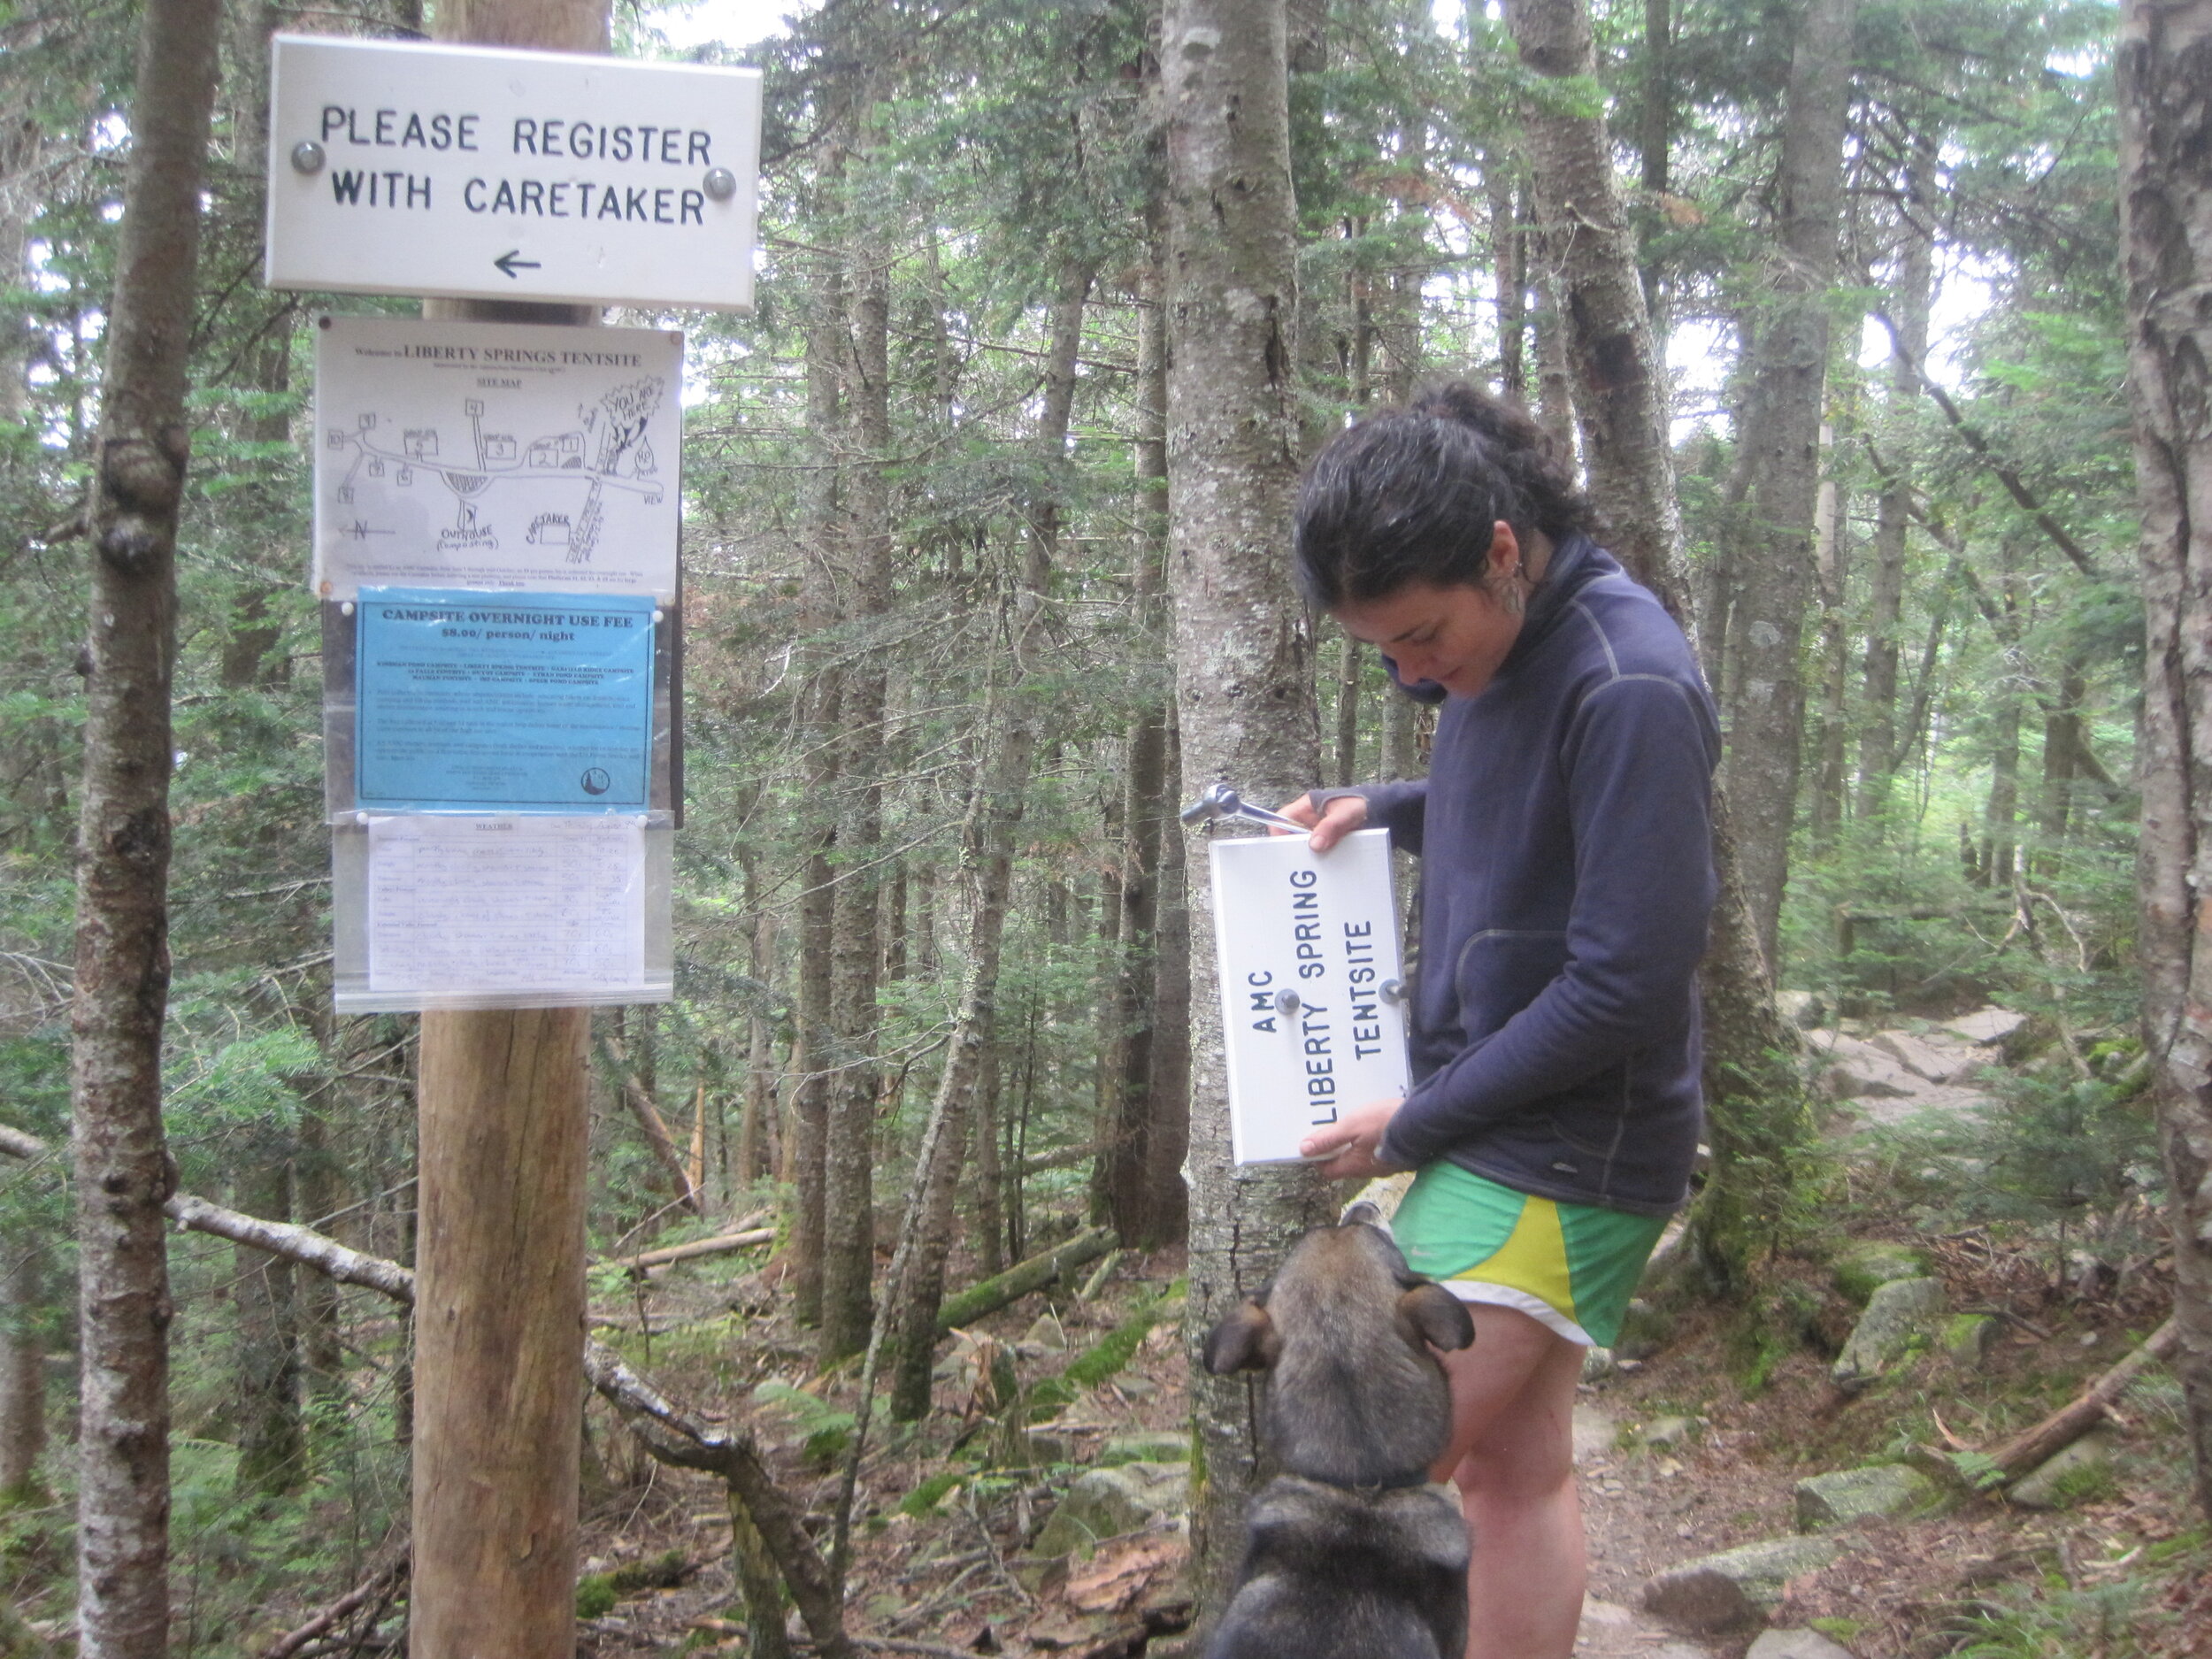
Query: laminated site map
pixel 504 456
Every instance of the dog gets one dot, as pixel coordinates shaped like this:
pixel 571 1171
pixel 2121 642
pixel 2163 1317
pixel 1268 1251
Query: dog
pixel 1349 1553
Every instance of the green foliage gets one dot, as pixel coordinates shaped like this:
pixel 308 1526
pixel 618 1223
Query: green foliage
pixel 595 1595
pixel 1978 1469
pixel 925 1498
pixel 826 1431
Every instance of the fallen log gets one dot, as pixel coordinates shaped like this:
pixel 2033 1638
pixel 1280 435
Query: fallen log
pixel 655 1128
pixel 2032 1448
pixel 720 1244
pixel 1017 1281
pixel 378 1588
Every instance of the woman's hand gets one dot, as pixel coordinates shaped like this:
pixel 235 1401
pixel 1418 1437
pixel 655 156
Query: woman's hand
pixel 1350 1144
pixel 1329 825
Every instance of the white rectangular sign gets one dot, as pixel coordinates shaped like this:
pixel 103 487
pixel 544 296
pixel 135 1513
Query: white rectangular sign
pixel 509 457
pixel 460 170
pixel 462 907
pixel 1308 949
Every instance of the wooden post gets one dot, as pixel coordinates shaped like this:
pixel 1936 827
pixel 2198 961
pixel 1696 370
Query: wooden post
pixel 499 1273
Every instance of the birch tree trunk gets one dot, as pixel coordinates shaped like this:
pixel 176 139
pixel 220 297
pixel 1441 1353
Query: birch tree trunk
pixel 123 1169
pixel 1780 440
pixel 2165 86
pixel 1243 669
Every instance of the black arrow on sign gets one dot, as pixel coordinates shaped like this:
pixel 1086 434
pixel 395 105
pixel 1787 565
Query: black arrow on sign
pixel 512 259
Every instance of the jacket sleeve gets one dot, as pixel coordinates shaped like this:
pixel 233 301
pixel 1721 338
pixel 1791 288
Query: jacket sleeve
pixel 1639 758
pixel 1399 808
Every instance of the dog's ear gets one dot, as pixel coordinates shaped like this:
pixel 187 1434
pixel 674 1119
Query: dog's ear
pixel 1434 1315
pixel 1246 1341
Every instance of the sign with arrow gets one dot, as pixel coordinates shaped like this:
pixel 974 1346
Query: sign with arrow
pixel 462 170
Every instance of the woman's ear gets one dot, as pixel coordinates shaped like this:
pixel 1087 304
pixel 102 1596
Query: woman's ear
pixel 1246 1341
pixel 1506 552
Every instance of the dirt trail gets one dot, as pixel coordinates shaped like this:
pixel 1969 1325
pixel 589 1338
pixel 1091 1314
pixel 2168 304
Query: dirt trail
pixel 1618 1523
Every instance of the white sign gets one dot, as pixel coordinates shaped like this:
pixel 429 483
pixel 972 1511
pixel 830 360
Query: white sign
pixel 1308 949
pixel 410 169
pixel 508 457
pixel 465 909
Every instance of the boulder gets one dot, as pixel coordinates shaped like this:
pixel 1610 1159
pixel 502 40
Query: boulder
pixel 1849 1496
pixel 1046 1335
pixel 1738 1586
pixel 1985 1027
pixel 1866 1266
pixel 1646 1328
pixel 1107 1503
pixel 2064 1479
pixel 1940 1057
pixel 1805 1010
pixel 1968 1337
pixel 1667 1433
pixel 1896 1314
pixel 1796 1643
pixel 1852 1068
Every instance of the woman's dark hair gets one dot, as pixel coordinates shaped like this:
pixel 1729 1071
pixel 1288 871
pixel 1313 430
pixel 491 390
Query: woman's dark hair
pixel 1409 495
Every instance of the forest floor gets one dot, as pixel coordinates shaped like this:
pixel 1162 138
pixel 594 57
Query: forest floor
pixel 1680 1455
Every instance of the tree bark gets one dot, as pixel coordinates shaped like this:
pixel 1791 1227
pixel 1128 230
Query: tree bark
pixel 23 1365
pixel 1831 566
pixel 1244 681
pixel 2165 95
pixel 271 1435
pixel 1779 454
pixel 123 1169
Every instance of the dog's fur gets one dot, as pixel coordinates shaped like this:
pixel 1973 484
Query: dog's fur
pixel 1348 1554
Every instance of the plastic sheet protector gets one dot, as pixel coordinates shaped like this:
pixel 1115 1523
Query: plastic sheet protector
pixel 1311 1010
pixel 484 909
pixel 472 702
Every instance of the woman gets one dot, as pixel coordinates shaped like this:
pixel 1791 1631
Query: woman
pixel 1567 881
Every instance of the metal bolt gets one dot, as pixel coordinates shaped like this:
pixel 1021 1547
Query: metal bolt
pixel 1392 991
pixel 1286 1003
pixel 721 183
pixel 307 157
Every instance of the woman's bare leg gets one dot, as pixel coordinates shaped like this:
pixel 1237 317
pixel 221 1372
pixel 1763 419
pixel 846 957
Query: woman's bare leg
pixel 1512 1455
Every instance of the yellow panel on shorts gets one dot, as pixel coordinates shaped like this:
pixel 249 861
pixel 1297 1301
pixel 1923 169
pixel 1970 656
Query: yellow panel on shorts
pixel 1534 1257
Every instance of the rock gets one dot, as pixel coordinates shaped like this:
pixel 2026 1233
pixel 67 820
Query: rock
pixel 1986 1027
pixel 1598 1364
pixel 1940 1099
pixel 1047 1334
pixel 1107 1503
pixel 2079 1472
pixel 1968 1337
pixel 1852 1068
pixel 1046 1447
pixel 1595 1433
pixel 1738 1586
pixel 1896 1314
pixel 1796 1643
pixel 1824 1502
pixel 1645 1329
pixel 1666 1432
pixel 1804 1010
pixel 1938 1057
pixel 1865 1267
pixel 1156 1447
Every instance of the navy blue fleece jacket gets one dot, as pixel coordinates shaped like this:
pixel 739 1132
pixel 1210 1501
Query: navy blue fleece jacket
pixel 1567 881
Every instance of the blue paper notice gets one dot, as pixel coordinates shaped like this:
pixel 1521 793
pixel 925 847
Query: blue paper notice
pixel 480 702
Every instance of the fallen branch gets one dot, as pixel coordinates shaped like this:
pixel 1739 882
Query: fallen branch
pixel 720 1244
pixel 1017 1281
pixel 379 1586
pixel 2032 1448
pixel 655 1128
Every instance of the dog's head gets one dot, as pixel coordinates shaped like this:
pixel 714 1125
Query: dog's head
pixel 1348 1329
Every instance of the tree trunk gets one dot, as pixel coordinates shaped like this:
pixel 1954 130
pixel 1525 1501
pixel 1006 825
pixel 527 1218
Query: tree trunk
pixel 1129 1189
pixel 1244 682
pixel 987 860
pixel 1831 566
pixel 272 1437
pixel 849 1251
pixel 1509 260
pixel 816 1051
pixel 123 1170
pixel 990 1173
pixel 1750 1083
pixel 23 1365
pixel 2061 749
pixel 1619 388
pixel 1780 460
pixel 2165 91
pixel 1879 749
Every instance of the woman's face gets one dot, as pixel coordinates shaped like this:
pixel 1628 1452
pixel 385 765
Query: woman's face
pixel 1455 635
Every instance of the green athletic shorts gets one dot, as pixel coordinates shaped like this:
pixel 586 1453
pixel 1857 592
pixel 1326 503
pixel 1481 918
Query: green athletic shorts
pixel 1572 1266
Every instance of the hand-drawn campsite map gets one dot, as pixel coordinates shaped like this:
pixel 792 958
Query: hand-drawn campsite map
pixel 508 457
